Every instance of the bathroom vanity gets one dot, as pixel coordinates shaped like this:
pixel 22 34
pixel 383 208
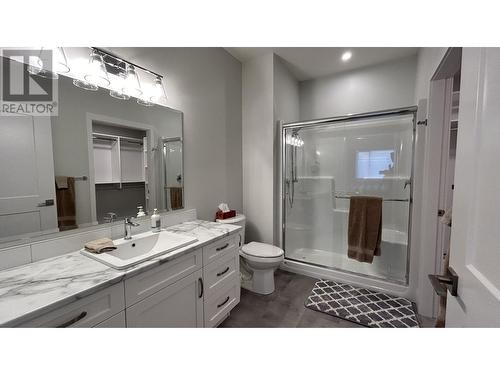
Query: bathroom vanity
pixel 193 286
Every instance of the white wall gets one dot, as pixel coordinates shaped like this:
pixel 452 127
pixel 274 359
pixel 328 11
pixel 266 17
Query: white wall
pixel 427 63
pixel 383 86
pixel 205 84
pixel 258 138
pixel 270 94
pixel 286 108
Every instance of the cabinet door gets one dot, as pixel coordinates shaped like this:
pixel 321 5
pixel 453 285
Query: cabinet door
pixel 116 321
pixel 179 305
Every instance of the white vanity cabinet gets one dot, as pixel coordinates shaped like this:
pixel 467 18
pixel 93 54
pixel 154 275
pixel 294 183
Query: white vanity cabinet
pixel 196 289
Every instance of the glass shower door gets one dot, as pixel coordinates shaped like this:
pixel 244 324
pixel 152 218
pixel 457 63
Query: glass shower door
pixel 324 165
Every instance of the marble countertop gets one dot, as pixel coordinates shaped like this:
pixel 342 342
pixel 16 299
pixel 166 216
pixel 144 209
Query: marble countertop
pixel 31 290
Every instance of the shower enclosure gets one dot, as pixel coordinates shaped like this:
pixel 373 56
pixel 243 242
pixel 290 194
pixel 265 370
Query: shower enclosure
pixel 324 163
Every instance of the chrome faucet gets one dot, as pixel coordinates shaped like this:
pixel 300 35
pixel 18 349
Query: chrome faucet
pixel 110 217
pixel 128 224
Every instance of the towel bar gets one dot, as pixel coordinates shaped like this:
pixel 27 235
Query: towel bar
pixel 384 199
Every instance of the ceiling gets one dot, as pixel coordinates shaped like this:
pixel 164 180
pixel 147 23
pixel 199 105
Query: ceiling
pixel 313 62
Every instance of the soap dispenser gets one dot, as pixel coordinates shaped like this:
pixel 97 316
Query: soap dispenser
pixel 140 212
pixel 155 221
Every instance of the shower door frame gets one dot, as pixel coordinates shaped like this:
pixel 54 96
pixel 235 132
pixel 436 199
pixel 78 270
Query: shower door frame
pixel 339 119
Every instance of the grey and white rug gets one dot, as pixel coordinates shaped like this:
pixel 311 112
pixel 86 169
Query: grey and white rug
pixel 363 306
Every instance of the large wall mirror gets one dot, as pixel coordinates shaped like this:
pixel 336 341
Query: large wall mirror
pixel 99 160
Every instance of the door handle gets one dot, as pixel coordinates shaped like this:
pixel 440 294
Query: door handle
pixel 442 283
pixel 72 321
pixel 48 202
pixel 200 282
pixel 222 247
pixel 222 272
pixel 223 303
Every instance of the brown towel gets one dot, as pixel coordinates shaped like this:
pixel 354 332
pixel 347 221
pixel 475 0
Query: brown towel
pixel 175 198
pixel 99 246
pixel 65 199
pixel 365 228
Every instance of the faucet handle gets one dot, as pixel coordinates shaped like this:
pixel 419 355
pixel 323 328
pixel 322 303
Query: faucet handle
pixel 128 220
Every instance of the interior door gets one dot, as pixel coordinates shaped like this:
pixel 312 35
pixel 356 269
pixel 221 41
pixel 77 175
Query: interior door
pixel 27 176
pixel 475 237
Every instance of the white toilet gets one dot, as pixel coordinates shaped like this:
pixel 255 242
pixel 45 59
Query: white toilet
pixel 258 261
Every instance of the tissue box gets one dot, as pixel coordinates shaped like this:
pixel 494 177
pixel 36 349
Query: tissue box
pixel 225 215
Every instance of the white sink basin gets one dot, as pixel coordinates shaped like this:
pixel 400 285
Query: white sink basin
pixel 140 248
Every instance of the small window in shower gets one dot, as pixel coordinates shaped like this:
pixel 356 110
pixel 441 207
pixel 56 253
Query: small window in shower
pixel 374 163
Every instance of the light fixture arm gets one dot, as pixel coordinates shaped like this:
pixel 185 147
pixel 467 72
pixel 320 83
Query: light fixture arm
pixel 127 62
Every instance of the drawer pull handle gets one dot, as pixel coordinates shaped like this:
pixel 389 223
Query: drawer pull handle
pixel 222 247
pixel 73 321
pixel 223 303
pixel 200 281
pixel 223 272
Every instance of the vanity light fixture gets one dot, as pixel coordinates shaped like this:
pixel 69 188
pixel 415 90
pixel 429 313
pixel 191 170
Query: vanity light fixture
pixel 97 73
pixel 123 78
pixel 59 63
pixel 117 92
pixel 346 56
pixel 294 140
pixel 132 85
pixel 145 103
pixel 118 95
pixel 85 85
pixel 158 90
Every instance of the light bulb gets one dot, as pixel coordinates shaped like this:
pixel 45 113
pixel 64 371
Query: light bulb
pixel 132 86
pixel 346 56
pixel 96 71
pixel 158 92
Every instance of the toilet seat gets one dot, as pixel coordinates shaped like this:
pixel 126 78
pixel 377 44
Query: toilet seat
pixel 261 250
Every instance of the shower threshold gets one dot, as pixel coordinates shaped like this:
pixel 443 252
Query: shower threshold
pixel 340 262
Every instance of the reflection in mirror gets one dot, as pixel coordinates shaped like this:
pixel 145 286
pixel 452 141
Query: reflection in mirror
pixel 172 173
pixel 99 160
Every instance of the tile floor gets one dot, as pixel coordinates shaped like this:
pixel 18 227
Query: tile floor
pixel 285 307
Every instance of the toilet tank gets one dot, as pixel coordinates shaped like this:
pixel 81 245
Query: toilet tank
pixel 239 219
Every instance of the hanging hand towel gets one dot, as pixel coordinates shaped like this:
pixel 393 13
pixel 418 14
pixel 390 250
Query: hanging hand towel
pixel 65 199
pixel 365 228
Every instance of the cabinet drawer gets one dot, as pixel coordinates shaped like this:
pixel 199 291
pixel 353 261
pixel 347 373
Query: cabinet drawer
pixel 87 312
pixel 149 282
pixel 217 307
pixel 116 321
pixel 220 248
pixel 217 274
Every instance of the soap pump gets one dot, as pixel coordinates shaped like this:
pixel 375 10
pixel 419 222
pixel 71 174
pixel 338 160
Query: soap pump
pixel 155 221
pixel 141 212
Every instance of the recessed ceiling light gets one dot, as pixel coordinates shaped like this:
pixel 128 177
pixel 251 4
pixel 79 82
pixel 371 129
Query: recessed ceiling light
pixel 346 56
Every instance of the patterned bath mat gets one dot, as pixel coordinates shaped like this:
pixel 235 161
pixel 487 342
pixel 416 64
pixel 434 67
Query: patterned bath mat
pixel 363 306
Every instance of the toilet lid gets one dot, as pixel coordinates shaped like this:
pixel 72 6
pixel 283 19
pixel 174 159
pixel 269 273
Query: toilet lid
pixel 262 250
